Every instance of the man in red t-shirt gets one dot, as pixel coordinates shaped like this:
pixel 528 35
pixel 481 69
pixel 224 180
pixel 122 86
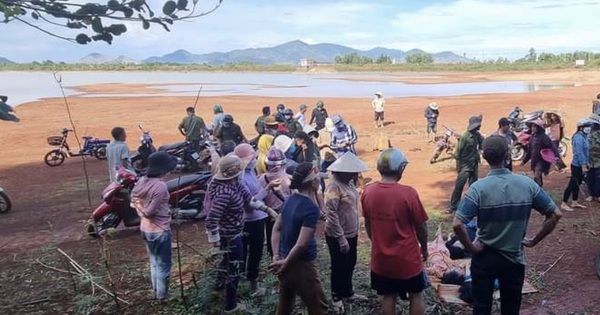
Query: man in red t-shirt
pixel 396 223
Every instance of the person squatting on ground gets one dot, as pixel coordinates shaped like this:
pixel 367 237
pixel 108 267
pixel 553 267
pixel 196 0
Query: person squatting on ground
pixel 432 112
pixel 539 140
pixel 294 261
pixel 150 198
pixel 504 131
pixel 230 131
pixel 318 116
pixel 593 175
pixel 343 136
pixel 378 104
pixel 276 194
pixel 467 160
pixel 259 125
pixel 229 198
pixel 502 203
pixel 117 153
pixel 192 127
pixel 341 227
pixel 396 223
pixel 579 164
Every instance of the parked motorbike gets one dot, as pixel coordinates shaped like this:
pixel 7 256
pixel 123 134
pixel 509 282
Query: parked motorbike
pixel 186 197
pixel 140 160
pixel 444 143
pixel 517 123
pixel 188 160
pixel 91 147
pixel 5 203
pixel 521 146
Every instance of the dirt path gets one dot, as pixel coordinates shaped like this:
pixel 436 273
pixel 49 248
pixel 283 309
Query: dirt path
pixel 50 204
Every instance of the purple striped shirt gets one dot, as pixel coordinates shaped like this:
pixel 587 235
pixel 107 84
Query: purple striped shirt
pixel 228 199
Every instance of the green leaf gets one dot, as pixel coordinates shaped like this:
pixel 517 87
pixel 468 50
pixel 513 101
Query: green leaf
pixel 169 7
pixel 82 39
pixel 97 25
pixel 182 4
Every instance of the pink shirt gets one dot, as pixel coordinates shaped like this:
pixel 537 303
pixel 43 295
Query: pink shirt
pixel 150 197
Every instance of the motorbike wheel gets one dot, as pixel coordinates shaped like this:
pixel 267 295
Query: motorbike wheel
pixel 101 227
pixel 5 203
pixel 138 163
pixel 100 153
pixel 563 147
pixel 54 158
pixel 517 153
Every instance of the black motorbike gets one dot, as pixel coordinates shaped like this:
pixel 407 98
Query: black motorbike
pixel 188 158
pixel 140 160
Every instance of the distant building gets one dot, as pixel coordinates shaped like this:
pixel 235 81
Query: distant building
pixel 579 63
pixel 307 63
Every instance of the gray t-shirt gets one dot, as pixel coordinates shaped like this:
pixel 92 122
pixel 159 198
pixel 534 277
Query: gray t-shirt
pixel 117 154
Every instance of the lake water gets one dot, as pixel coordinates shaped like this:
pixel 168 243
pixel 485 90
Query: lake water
pixel 23 87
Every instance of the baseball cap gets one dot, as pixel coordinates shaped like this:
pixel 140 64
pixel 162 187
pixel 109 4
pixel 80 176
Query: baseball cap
pixel 504 121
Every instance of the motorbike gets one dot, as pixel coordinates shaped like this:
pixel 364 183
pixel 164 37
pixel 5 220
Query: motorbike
pixel 521 145
pixel 140 160
pixel 186 197
pixel 5 203
pixel 443 143
pixel 91 147
pixel 188 160
pixel 518 124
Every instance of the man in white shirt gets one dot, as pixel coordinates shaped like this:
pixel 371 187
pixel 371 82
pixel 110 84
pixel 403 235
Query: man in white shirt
pixel 300 117
pixel 378 103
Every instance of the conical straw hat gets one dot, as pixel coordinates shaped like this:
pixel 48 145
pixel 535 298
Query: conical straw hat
pixel 348 163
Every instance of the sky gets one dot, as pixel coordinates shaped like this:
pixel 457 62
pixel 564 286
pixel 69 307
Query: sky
pixel 480 29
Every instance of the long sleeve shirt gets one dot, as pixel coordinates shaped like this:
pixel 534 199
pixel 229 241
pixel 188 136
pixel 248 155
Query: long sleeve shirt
pixel 150 197
pixel 595 149
pixel 341 210
pixel 251 182
pixel 581 149
pixel 467 150
pixel 431 115
pixel 538 142
pixel 345 136
pixel 228 201
pixel 378 104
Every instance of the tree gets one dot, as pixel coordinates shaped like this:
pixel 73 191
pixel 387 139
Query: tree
pixel 94 21
pixel 420 59
pixel 383 59
pixel 532 55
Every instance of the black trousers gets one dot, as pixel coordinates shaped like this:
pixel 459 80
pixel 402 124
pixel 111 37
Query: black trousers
pixel 342 268
pixel 574 183
pixel 253 240
pixel 269 231
pixel 488 266
pixel 592 182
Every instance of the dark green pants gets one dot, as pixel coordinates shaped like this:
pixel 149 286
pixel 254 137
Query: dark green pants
pixel 464 176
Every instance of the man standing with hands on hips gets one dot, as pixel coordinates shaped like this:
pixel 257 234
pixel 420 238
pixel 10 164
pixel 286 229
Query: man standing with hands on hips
pixel 502 203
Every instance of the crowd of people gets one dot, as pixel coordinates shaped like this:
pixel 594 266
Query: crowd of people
pixel 272 190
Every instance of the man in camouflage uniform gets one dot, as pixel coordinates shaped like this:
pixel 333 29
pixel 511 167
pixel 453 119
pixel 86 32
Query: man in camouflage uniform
pixel 593 175
pixel 467 160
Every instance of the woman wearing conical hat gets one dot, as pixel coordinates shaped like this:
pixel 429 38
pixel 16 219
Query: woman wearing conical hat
pixel 341 227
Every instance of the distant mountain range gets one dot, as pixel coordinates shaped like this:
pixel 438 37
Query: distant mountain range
pixel 292 52
pixel 289 53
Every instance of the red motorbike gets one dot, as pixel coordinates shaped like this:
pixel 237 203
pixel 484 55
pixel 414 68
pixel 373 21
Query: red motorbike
pixel 186 197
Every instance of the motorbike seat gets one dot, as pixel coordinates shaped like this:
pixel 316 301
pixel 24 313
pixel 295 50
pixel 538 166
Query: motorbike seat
pixel 171 146
pixel 185 180
pixel 87 138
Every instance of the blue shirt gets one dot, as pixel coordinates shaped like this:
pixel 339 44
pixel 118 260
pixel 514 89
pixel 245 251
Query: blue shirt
pixel 298 211
pixel 581 149
pixel 502 203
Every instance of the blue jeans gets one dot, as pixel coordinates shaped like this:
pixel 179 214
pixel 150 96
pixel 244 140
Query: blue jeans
pixel 158 245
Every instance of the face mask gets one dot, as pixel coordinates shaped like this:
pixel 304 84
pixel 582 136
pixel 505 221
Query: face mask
pixel 587 129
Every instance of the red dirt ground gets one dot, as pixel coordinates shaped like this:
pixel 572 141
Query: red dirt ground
pixel 51 206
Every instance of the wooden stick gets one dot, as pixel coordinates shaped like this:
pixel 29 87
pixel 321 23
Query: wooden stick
pixel 551 266
pixel 42 300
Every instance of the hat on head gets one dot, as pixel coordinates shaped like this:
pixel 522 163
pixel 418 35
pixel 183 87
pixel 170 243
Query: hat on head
pixel 348 163
pixel 595 118
pixel 283 143
pixel 320 104
pixel 474 122
pixel 229 167
pixel 275 157
pixel 311 131
pixel 379 93
pixel 434 105
pixel 494 146
pixel 302 106
pixel 336 119
pixel 504 122
pixel 391 160
pixel 245 152
pixel 329 125
pixel 270 121
pixel 585 122
pixel 160 163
